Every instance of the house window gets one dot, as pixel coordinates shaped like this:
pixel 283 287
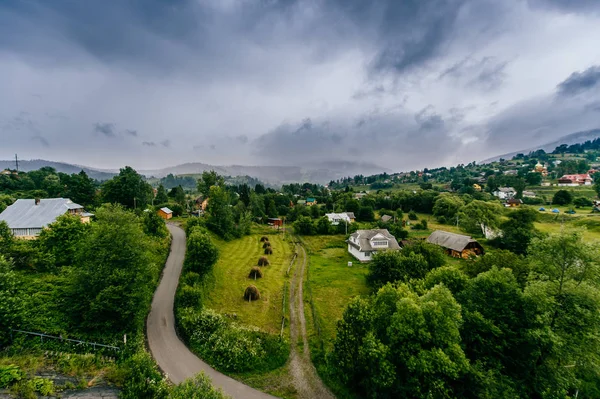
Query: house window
pixel 379 243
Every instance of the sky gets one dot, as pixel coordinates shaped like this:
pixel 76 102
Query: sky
pixel 401 84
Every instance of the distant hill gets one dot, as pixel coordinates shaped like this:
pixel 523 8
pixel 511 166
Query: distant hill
pixel 574 138
pixel 275 175
pixel 35 164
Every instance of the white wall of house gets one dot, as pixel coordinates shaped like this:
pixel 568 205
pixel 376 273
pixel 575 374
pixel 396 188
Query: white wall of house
pixel 361 256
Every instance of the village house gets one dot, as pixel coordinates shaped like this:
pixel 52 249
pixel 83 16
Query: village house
pixel 505 193
pixel 311 202
pixel 575 180
pixel 513 203
pixel 27 217
pixel 165 213
pixel 337 218
pixel 364 243
pixel 528 194
pixel 386 218
pixel 456 245
pixel 275 222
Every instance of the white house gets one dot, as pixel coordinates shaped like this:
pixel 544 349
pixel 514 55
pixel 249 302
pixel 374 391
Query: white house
pixel 528 194
pixel 27 217
pixel 343 217
pixel 505 193
pixel 364 243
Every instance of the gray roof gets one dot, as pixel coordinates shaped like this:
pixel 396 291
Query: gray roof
pixel 457 242
pixel 24 213
pixel 350 215
pixel 363 237
pixel 166 210
pixel 506 190
pixel 386 218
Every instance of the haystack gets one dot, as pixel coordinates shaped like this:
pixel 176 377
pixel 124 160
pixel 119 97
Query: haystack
pixel 264 238
pixel 251 293
pixel 266 244
pixel 255 273
pixel 263 261
pixel 268 251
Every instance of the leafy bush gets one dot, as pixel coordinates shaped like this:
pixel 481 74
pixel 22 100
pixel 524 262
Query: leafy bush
pixel 189 296
pixel 562 197
pixel 10 374
pixel 201 253
pixel 412 215
pixel 229 346
pixel 422 225
pixel 141 378
pixel 582 201
pixel 198 387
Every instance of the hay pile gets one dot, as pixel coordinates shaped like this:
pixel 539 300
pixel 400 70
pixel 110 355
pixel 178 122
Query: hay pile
pixel 268 251
pixel 263 261
pixel 251 293
pixel 264 238
pixel 267 244
pixel 255 273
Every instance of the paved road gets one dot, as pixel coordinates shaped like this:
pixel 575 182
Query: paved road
pixel 172 356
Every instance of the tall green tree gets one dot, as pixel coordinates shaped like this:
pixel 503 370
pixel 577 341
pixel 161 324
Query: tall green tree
pixel 115 274
pixel 518 230
pixel 202 253
pixel 208 180
pixel 11 304
pixel 479 217
pixel 161 195
pixel 562 197
pixel 128 188
pixel 391 266
pixel 446 207
pixel 6 238
pixel 63 238
pixel 220 214
pixel 401 344
pixel 567 297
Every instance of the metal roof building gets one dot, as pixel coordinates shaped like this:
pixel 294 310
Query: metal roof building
pixel 27 217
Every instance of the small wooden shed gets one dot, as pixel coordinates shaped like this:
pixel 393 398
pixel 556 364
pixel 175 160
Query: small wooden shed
pixel 165 213
pixel 275 222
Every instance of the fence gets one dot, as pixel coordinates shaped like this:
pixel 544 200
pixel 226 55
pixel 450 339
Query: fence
pixel 79 342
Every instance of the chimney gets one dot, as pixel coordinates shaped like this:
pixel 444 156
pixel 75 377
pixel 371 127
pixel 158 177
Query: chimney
pixel 37 201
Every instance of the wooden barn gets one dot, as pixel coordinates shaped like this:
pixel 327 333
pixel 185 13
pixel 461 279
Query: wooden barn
pixel 275 222
pixel 456 245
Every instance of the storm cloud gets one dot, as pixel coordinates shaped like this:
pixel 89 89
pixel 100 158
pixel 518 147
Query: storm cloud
pixel 403 84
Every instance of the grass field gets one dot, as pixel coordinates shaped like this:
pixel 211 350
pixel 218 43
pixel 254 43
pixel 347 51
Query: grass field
pixel 331 282
pixel 230 279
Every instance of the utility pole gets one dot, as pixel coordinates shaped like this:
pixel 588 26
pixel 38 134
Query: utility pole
pixel 17 162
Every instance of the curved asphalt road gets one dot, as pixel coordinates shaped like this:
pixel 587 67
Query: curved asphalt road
pixel 172 356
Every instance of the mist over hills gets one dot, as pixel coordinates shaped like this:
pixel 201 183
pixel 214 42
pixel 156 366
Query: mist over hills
pixel 315 173
pixel 570 139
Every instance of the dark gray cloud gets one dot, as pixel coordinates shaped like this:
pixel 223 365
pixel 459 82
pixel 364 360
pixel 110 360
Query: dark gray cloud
pixel 580 82
pixel 402 82
pixel 104 128
pixel 41 140
pixel 568 5
pixel 487 73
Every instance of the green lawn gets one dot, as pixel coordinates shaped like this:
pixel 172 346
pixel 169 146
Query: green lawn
pixel 230 279
pixel 331 282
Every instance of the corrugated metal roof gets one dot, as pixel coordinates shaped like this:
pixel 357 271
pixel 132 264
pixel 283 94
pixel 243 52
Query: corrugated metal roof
pixel 25 214
pixel 166 210
pixel 457 242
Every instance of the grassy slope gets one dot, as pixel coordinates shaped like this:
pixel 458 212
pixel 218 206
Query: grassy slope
pixel 236 259
pixel 331 281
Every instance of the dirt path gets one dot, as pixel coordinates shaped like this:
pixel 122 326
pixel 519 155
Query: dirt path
pixel 172 356
pixel 305 377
